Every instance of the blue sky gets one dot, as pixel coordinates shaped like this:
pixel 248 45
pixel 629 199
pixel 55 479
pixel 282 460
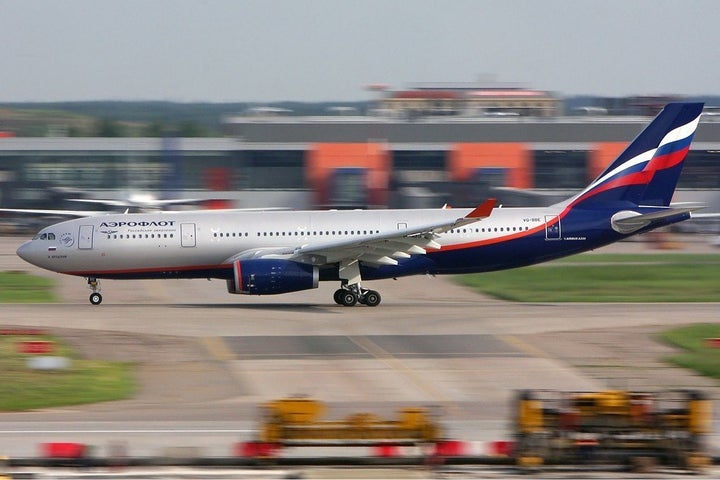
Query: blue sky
pixel 264 50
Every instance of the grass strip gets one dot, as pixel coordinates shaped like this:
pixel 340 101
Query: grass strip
pixel 699 354
pixel 607 278
pixel 85 381
pixel 20 287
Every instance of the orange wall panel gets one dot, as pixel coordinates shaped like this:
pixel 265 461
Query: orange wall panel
pixel 323 158
pixel 464 158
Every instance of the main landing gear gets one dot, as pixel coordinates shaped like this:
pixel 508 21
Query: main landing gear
pixel 349 296
pixel 350 293
pixel 95 297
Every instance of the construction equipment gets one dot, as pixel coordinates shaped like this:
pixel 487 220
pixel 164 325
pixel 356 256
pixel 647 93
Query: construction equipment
pixel 296 421
pixel 611 426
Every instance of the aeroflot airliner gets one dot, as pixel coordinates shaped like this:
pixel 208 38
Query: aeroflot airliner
pixel 272 252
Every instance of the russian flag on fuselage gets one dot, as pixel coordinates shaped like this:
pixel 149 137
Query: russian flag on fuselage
pixel 647 171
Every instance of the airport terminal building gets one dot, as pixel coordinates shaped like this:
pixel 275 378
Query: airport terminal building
pixel 345 162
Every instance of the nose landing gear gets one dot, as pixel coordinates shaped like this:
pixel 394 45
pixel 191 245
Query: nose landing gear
pixel 95 297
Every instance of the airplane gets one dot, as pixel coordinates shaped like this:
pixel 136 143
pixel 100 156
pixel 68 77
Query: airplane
pixel 274 252
pixel 143 202
pixel 136 202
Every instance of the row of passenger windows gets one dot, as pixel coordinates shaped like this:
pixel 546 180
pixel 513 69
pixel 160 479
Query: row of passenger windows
pixel 299 234
pixel 51 236
pixel 357 232
pixel 140 235
pixel 489 230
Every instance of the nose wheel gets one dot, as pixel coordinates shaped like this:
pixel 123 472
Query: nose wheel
pixel 95 297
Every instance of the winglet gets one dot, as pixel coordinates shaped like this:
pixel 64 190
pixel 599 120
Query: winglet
pixel 483 210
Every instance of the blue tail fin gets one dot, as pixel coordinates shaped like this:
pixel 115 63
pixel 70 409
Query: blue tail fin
pixel 647 172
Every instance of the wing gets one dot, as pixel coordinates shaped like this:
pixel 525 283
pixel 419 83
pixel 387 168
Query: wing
pixel 62 213
pixel 376 249
pixel 98 213
pixel 130 203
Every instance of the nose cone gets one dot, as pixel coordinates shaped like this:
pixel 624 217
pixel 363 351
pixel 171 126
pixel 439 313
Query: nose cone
pixel 23 251
pixel 28 252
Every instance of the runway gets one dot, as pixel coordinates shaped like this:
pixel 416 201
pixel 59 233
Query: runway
pixel 207 359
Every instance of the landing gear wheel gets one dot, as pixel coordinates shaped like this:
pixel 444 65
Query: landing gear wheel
pixel 337 296
pixel 348 298
pixel 95 298
pixel 371 298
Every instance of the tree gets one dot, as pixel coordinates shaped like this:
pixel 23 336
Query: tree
pixel 109 128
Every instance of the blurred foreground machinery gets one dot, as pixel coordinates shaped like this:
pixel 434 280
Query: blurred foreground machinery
pixel 297 422
pixel 607 427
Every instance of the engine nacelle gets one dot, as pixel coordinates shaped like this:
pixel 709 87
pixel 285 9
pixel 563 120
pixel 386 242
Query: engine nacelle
pixel 270 276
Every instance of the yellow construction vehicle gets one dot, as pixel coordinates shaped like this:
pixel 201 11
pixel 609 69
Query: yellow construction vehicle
pixel 297 421
pixel 611 426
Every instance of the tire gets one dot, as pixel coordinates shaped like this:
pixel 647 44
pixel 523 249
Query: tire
pixel 95 298
pixel 337 296
pixel 372 298
pixel 349 299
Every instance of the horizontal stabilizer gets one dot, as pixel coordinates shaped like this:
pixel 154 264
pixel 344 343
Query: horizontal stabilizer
pixel 628 221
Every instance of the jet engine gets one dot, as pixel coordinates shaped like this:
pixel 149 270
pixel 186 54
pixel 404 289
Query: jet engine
pixel 270 276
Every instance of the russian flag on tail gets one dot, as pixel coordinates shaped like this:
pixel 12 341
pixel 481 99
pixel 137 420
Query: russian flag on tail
pixel 647 171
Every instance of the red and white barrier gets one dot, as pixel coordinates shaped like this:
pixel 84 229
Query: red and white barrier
pixel 63 450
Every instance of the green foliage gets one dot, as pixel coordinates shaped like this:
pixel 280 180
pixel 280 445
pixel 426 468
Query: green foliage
pixel 600 278
pixel 699 354
pixel 22 388
pixel 154 118
pixel 19 287
pixel 108 128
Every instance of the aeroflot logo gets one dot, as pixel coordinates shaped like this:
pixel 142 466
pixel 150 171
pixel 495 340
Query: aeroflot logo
pixel 162 223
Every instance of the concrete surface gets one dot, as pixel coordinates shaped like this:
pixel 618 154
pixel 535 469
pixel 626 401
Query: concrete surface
pixel 207 359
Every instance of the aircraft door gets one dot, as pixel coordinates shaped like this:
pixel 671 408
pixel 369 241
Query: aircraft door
pixel 85 237
pixel 553 230
pixel 187 234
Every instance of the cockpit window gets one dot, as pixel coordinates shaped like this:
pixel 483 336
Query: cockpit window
pixel 44 236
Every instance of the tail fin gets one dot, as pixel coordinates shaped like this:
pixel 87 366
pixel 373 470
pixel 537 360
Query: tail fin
pixel 647 172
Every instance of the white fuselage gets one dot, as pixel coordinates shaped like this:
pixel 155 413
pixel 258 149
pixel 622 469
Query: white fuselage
pixel 190 240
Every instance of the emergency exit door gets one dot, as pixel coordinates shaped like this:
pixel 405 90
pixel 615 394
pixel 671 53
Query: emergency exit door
pixel 85 237
pixel 187 234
